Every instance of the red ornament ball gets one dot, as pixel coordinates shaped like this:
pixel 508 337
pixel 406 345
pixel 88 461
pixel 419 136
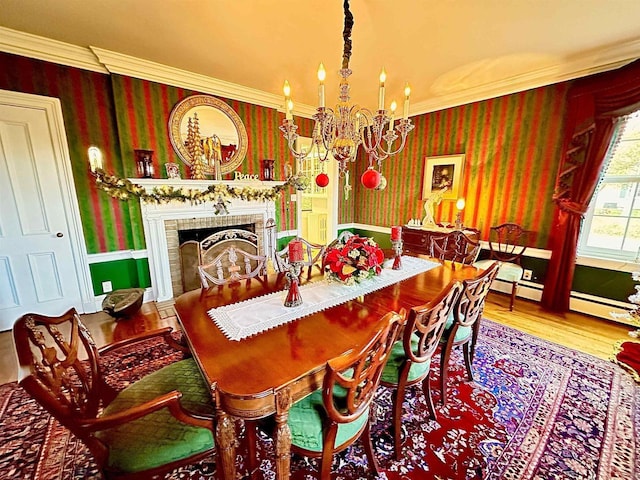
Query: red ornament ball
pixel 370 178
pixel 322 180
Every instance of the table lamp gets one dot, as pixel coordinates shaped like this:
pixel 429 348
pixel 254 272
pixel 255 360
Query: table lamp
pixel 460 206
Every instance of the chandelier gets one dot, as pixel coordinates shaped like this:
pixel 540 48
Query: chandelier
pixel 339 132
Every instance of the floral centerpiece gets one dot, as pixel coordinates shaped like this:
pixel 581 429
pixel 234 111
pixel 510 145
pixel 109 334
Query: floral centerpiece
pixel 354 260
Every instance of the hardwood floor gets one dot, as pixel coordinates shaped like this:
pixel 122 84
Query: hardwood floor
pixel 587 334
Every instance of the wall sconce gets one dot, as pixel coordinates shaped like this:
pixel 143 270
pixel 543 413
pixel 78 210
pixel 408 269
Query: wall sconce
pixel 95 159
pixel 460 206
pixel 144 162
pixel 267 169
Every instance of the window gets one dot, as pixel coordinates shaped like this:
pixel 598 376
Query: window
pixel 612 225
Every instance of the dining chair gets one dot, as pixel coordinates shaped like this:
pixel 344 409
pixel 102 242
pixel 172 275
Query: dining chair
pixel 156 424
pixel 334 417
pixel 313 254
pixel 410 359
pixel 231 265
pixel 455 246
pixel 507 243
pixel 463 324
pixel 342 238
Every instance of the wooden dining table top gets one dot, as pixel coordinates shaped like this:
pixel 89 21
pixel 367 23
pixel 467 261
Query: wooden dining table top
pixel 246 373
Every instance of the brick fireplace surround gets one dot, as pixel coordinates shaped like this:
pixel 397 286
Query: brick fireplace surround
pixel 163 221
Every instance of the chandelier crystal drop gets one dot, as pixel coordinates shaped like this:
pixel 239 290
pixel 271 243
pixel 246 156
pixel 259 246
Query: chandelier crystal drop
pixel 338 132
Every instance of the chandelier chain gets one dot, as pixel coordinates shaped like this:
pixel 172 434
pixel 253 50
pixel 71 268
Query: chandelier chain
pixel 346 35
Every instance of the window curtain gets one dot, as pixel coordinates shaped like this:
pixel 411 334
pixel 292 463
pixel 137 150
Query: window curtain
pixel 593 105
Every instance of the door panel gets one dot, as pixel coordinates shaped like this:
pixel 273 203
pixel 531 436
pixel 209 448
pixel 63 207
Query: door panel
pixel 37 269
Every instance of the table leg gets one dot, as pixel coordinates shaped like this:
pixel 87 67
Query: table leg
pixel 283 434
pixel 225 445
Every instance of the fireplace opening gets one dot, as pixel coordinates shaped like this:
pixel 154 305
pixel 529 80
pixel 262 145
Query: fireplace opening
pixel 199 234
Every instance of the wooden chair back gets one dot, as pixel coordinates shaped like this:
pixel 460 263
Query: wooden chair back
pixel 507 242
pixel 455 246
pixel 470 307
pixel 427 322
pixel 313 254
pixel 59 367
pixel 231 265
pixel 358 372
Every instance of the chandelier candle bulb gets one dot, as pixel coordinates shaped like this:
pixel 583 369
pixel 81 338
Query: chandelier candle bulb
pixel 393 107
pixel 407 92
pixel 383 78
pixel 322 74
pixel 295 251
pixel 289 110
pixel 396 232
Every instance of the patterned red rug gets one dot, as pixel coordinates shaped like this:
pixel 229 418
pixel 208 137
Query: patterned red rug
pixel 536 411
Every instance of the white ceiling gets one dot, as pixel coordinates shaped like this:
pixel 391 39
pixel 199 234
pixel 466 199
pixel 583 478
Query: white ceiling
pixel 450 51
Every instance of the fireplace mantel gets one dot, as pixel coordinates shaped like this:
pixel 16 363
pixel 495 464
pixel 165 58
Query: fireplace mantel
pixel 150 183
pixel 154 216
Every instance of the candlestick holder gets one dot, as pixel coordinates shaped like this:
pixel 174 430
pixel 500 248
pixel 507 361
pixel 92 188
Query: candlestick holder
pixel 397 250
pixel 293 278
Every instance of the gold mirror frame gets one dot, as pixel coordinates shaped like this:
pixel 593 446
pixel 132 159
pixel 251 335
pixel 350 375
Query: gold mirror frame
pixel 213 115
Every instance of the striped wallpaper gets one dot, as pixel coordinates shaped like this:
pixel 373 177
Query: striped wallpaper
pixel 511 145
pixel 88 111
pixel 142 111
pixel 512 148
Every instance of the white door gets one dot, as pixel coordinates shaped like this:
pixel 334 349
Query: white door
pixel 37 266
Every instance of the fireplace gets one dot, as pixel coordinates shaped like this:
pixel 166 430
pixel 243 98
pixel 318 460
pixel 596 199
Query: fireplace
pixel 163 222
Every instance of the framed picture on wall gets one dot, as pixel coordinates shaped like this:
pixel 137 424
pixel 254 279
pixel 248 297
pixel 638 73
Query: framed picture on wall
pixel 443 174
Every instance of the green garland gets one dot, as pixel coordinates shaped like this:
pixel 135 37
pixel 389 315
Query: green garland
pixel 123 189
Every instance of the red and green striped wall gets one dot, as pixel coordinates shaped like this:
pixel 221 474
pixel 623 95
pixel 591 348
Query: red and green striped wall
pixel 512 149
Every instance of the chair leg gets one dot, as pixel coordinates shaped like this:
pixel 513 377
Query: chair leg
pixel 514 287
pixel 368 448
pixel 444 369
pixel 466 351
pixel 426 389
pixel 398 399
pixel 329 440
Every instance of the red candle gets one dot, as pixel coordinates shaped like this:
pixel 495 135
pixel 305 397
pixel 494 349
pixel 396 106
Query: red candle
pixel 396 233
pixel 295 251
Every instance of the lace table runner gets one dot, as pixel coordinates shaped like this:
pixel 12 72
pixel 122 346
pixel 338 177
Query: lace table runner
pixel 243 319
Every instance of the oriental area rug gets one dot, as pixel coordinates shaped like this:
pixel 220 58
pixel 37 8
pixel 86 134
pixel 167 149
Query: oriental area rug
pixel 535 411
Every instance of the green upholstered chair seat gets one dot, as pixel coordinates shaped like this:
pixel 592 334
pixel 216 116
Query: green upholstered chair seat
pixel 508 272
pixel 391 372
pixel 305 422
pixel 158 438
pixel 461 334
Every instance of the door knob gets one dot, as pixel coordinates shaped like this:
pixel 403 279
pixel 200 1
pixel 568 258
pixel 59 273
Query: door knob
pixel 59 234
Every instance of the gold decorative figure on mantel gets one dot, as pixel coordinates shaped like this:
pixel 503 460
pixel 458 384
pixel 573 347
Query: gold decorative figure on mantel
pixel 213 154
pixel 195 149
pixel 429 207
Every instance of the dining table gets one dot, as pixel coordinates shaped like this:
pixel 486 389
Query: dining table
pixel 263 374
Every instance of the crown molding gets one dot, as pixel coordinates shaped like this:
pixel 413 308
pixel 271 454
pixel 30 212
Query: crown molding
pixel 105 61
pixel 581 65
pixel 41 48
pixel 156 72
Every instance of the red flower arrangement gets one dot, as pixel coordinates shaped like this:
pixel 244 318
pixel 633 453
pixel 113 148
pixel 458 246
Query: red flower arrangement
pixel 354 260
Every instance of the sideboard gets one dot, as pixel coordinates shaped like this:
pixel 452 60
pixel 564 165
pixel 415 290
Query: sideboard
pixel 418 239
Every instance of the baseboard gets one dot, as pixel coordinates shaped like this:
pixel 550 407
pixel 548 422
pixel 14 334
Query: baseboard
pixel 588 304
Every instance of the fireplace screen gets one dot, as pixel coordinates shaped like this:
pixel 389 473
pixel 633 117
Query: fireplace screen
pixel 194 252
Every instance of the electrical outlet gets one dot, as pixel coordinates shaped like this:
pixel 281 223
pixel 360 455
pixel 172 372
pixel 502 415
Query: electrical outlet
pixel 527 274
pixel 106 286
pixel 294 197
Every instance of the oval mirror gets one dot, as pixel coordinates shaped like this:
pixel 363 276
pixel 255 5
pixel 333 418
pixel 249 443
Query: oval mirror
pixel 218 129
